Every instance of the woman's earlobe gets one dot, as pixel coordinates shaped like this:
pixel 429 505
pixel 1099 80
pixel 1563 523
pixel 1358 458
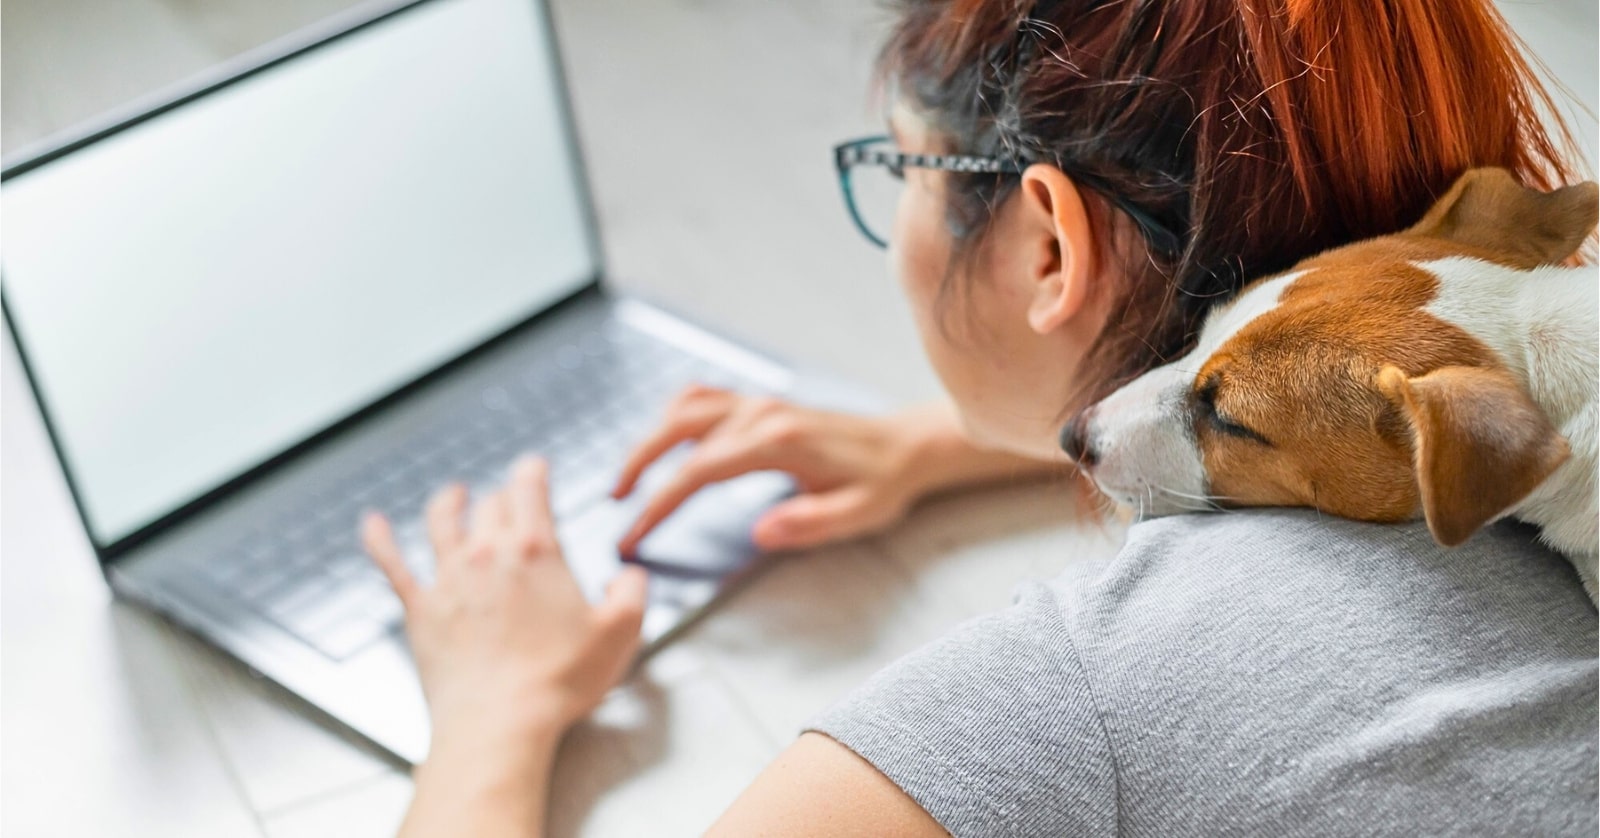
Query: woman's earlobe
pixel 1052 304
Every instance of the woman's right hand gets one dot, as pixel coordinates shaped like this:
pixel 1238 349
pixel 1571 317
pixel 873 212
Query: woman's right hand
pixel 856 474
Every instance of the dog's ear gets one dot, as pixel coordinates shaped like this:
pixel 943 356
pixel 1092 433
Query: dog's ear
pixel 1479 444
pixel 1488 208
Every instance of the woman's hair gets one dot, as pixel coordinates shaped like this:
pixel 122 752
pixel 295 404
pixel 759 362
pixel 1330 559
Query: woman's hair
pixel 1258 132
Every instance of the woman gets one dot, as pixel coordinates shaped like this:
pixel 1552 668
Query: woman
pixel 1082 180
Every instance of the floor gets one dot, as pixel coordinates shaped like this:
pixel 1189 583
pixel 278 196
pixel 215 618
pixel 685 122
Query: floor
pixel 116 724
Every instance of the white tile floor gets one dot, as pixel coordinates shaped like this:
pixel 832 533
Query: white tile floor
pixel 115 724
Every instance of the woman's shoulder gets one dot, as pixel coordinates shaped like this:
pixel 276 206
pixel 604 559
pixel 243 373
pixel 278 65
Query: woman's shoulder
pixel 1254 672
pixel 1286 590
pixel 992 728
pixel 1271 532
pixel 1281 658
pixel 1296 566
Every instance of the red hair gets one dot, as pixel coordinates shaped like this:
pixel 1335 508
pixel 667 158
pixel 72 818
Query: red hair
pixel 1259 132
pixel 1432 89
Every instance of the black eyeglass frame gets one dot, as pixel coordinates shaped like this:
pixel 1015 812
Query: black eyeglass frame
pixel 860 152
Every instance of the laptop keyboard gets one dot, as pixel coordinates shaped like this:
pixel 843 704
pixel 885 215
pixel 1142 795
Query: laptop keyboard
pixel 582 411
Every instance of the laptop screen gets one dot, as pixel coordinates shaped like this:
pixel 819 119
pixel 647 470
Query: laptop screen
pixel 205 289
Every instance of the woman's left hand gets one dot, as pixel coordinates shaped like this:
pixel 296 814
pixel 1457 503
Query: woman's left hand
pixel 508 649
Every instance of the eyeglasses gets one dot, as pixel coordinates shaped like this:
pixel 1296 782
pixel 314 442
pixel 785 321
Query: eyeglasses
pixel 872 176
pixel 872 173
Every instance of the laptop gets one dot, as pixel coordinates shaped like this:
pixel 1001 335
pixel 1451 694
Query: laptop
pixel 332 277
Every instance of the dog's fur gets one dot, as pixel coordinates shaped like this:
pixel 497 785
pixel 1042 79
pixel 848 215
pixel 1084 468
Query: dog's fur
pixel 1447 372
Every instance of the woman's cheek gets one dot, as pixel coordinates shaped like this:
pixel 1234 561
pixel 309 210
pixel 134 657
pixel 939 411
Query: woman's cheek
pixel 949 324
pixel 919 247
pixel 920 255
pixel 919 280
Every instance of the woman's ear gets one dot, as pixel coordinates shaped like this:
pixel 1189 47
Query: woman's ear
pixel 1059 241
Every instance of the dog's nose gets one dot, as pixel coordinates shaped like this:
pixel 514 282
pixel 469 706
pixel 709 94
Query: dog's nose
pixel 1075 440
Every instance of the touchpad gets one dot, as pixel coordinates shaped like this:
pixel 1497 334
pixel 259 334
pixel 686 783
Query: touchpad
pixel 706 538
pixel 710 534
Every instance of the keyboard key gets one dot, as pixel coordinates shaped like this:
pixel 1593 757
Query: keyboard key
pixel 305 591
pixel 574 494
pixel 314 623
pixel 257 585
pixel 384 610
pixel 348 636
pixel 347 566
pixel 303 559
pixel 570 358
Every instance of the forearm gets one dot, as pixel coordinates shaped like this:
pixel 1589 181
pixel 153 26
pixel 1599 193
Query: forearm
pixel 485 786
pixel 947 459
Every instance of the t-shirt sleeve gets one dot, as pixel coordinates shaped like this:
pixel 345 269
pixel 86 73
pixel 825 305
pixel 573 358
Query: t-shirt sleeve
pixel 992 729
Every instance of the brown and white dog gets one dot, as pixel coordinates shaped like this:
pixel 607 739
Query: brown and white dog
pixel 1446 372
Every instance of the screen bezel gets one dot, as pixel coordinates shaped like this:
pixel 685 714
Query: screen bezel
pixel 219 78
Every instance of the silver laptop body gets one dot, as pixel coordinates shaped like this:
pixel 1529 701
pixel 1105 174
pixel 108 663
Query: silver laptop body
pixel 344 271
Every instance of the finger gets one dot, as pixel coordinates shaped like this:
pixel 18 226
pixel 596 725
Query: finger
pixel 697 471
pixel 809 520
pixel 621 613
pixel 489 513
pixel 444 518
pixel 530 497
pixel 378 538
pixel 694 414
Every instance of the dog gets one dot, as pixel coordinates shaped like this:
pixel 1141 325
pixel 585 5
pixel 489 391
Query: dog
pixel 1446 372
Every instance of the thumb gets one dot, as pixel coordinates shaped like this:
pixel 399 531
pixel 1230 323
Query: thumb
pixel 812 519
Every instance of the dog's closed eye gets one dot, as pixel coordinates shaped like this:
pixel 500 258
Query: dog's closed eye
pixel 1209 416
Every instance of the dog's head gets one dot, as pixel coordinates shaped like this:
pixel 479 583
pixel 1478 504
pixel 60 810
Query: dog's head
pixel 1334 386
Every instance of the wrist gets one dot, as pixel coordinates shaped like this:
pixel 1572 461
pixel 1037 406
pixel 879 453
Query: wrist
pixel 488 752
pixel 515 731
pixel 936 445
pixel 471 780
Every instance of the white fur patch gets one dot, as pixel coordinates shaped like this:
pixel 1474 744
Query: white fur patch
pixel 1146 457
pixel 1227 320
pixel 1477 297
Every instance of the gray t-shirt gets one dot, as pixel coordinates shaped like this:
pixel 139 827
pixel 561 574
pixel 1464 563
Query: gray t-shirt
pixel 1271 672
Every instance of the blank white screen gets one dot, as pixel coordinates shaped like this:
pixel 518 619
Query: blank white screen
pixel 202 291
